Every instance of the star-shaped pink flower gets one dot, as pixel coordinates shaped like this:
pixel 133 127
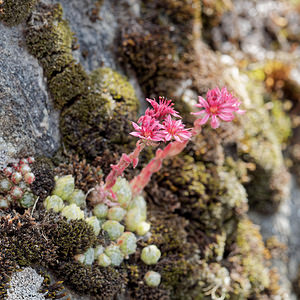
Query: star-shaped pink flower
pixel 218 104
pixel 162 109
pixel 174 129
pixel 150 130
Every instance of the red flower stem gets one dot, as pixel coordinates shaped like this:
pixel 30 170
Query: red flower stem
pixel 139 182
pixel 125 160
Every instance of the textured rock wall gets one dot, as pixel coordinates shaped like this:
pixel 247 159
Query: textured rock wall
pixel 73 74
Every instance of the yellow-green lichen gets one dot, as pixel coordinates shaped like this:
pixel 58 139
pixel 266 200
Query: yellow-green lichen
pixel 260 146
pixel 14 12
pixel 253 277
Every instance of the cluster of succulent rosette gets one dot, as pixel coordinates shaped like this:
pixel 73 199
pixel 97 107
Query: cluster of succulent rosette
pixel 118 207
pixel 127 213
pixel 15 181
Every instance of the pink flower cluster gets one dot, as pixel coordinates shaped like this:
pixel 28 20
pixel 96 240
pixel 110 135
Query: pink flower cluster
pixel 162 123
pixel 158 125
pixel 218 104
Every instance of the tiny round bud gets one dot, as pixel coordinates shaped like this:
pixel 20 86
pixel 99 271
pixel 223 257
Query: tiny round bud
pixel 113 228
pixel 16 177
pixel 86 258
pixel 133 219
pixel 4 203
pixel 103 260
pixel 152 278
pixel 78 198
pixel 72 212
pixel 143 228
pixel 23 161
pixel 27 200
pixel 29 178
pixel 24 169
pixel 5 185
pixel 139 203
pixel 115 254
pixel 94 222
pixel 127 243
pixel 64 187
pixel 16 192
pixel 116 213
pixel 22 185
pixel 100 210
pixel 8 171
pixel 30 159
pixel 53 202
pixel 122 189
pixel 98 250
pixel 150 255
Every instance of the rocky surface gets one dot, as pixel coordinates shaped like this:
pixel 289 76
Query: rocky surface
pixel 198 202
pixel 28 120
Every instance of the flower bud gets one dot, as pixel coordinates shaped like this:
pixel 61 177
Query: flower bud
pixel 116 213
pixel 100 210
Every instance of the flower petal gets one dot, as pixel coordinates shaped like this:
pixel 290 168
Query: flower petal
pixel 214 122
pixel 204 119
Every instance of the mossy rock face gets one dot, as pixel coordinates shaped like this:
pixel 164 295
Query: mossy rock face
pixel 251 256
pixel 14 12
pixel 101 119
pixel 50 39
pixel 260 146
pixel 177 265
pixel 170 34
pixel 204 193
pixel 101 283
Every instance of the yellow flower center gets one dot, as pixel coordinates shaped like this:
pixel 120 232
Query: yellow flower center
pixel 213 109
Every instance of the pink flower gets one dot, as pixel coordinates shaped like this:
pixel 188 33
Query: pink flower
pixel 218 104
pixel 150 130
pixel 175 129
pixel 162 109
pixel 149 112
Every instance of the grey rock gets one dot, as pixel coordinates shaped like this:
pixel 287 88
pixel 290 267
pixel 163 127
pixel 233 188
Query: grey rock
pixel 28 120
pixel 285 225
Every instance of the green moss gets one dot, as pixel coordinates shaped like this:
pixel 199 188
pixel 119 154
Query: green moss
pixel 49 38
pixel 101 283
pixel 207 193
pixel 70 237
pixel 101 119
pixel 14 12
pixel 176 264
